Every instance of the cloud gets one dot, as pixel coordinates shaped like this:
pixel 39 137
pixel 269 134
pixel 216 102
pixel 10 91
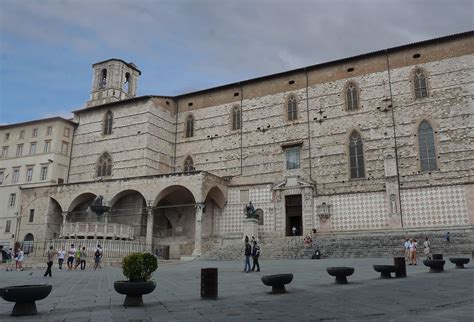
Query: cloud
pixel 186 44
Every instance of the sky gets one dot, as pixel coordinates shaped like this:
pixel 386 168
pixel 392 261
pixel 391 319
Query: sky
pixel 47 47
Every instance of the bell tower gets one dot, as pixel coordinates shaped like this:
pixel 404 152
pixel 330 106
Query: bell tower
pixel 113 80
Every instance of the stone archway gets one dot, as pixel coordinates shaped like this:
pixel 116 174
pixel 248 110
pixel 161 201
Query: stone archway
pixel 174 221
pixel 78 210
pixel 128 207
pixel 212 212
pixel 54 219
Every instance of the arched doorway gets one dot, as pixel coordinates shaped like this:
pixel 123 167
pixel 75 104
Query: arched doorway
pixel 28 243
pixel 174 221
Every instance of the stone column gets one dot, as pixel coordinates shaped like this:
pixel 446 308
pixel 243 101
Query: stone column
pixel 106 223
pixel 149 230
pixel 64 213
pixel 251 228
pixel 197 231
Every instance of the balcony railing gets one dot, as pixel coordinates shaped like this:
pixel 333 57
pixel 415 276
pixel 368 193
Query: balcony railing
pixel 97 230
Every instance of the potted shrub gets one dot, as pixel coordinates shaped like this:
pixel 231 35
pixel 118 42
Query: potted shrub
pixel 137 268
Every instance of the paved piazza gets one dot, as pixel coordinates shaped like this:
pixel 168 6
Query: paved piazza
pixel 312 296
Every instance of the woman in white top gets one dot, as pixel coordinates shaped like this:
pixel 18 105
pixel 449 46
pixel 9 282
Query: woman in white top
pixel 19 260
pixel 61 254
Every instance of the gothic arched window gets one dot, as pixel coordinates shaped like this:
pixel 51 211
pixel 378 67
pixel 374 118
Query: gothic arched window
pixel 108 122
pixel 356 156
pixel 352 101
pixel 420 84
pixel 104 165
pixel 236 119
pixel 427 147
pixel 292 108
pixel 190 126
pixel 103 78
pixel 188 165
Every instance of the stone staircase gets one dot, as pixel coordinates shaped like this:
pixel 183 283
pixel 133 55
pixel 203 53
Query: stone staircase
pixel 345 245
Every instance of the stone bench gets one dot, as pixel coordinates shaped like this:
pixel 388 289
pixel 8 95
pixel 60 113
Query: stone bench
pixel 25 297
pixel 340 273
pixel 277 282
pixel 385 270
pixel 435 265
pixel 459 261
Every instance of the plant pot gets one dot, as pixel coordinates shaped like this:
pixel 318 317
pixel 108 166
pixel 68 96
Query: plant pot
pixel 134 291
pixel 25 296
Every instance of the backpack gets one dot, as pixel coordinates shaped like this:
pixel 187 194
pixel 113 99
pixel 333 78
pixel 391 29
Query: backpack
pixel 97 253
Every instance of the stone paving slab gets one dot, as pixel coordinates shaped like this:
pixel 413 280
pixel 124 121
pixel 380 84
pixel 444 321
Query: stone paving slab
pixel 312 296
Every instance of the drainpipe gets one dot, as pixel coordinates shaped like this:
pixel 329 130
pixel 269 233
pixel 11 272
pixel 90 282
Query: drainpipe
pixel 394 136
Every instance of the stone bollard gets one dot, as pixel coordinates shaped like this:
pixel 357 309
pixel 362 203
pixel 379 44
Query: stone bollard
pixel 438 256
pixel 209 283
pixel 399 263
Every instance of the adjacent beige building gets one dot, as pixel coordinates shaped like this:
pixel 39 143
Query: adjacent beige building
pixel 376 142
pixel 33 154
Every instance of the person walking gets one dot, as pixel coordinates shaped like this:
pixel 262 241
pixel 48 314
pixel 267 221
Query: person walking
pixel 255 256
pixel 427 248
pixel 77 257
pixel 82 258
pixel 248 252
pixel 413 246
pixel 70 257
pixel 98 257
pixel 406 247
pixel 19 260
pixel 61 255
pixel 447 237
pixel 50 256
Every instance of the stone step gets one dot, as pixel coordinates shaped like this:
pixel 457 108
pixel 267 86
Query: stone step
pixel 375 244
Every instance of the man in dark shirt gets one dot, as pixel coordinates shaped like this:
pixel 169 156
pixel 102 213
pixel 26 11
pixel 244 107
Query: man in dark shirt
pixel 248 252
pixel 50 254
pixel 255 256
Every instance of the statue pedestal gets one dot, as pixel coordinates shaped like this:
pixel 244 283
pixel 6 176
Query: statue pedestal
pixel 251 228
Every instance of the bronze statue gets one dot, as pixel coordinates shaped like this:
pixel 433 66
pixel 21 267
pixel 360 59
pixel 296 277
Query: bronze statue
pixel 250 210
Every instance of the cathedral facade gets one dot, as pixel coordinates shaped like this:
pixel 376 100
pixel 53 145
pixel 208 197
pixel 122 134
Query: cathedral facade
pixel 376 142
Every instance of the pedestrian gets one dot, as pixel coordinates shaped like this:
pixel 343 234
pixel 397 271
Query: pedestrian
pixel 61 255
pixel 447 237
pixel 413 246
pixel 19 260
pixel 82 258
pixel 255 256
pixel 77 257
pixel 406 247
pixel 427 248
pixel 248 252
pixel 50 256
pixel 293 230
pixel 70 257
pixel 98 257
